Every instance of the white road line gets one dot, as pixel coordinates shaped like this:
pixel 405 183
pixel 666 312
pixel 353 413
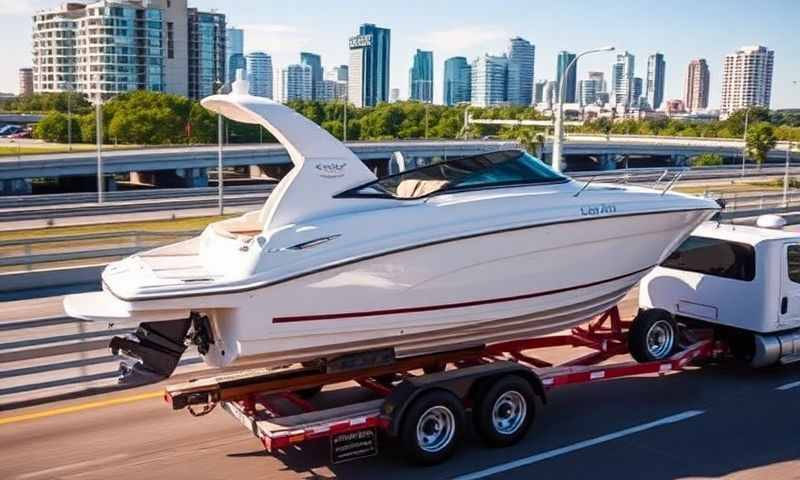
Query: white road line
pixel 580 445
pixel 788 386
pixel 73 466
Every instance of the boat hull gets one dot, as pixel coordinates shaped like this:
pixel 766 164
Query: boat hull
pixel 527 282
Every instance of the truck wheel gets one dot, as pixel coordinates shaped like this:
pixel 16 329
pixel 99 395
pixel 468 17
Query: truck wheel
pixel 505 411
pixel 653 335
pixel 432 427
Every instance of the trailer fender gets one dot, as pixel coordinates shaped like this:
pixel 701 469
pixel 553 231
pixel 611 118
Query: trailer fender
pixel 463 383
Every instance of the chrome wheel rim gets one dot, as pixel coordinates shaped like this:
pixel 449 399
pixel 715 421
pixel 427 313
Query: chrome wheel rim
pixel 660 339
pixel 509 412
pixel 435 429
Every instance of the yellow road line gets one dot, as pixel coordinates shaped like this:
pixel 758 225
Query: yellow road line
pixel 80 407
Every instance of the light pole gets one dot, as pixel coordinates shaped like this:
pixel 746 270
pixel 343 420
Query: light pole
pixel 99 134
pixel 559 120
pixel 69 117
pixel 744 137
pixel 220 138
pixel 344 122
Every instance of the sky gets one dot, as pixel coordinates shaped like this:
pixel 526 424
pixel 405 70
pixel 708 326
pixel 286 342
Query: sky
pixel 680 29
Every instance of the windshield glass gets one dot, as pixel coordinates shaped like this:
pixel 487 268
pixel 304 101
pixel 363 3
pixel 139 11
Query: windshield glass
pixel 487 170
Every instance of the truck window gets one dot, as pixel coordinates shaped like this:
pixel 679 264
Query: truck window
pixel 712 256
pixel 793 261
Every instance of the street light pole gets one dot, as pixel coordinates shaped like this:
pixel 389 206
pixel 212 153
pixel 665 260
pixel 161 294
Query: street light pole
pixel 344 122
pixel 558 139
pixel 744 137
pixel 69 119
pixel 99 134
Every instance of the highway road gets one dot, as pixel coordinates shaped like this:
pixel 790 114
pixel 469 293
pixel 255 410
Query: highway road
pixel 718 421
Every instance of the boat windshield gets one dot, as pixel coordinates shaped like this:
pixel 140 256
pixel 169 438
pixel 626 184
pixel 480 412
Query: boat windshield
pixel 494 169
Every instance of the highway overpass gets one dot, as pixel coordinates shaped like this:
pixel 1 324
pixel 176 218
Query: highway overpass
pixel 187 166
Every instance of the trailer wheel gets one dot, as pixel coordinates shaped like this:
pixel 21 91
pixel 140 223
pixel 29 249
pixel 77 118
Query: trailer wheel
pixel 432 427
pixel 505 411
pixel 653 335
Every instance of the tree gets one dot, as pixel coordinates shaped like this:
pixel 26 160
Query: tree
pixel 707 160
pixel 759 141
pixel 54 127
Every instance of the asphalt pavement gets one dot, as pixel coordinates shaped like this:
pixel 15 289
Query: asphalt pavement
pixel 718 421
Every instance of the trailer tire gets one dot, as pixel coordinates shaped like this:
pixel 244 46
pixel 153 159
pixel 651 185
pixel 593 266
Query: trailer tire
pixel 432 427
pixel 505 411
pixel 653 335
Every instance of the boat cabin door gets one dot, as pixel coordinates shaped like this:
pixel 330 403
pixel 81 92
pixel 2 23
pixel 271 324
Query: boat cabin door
pixel 789 310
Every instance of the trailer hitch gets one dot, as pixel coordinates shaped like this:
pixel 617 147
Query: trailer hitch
pixel 153 351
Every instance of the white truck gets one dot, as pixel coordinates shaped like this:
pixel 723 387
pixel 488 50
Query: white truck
pixel 742 281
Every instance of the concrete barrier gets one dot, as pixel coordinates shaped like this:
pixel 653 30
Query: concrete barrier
pixel 11 283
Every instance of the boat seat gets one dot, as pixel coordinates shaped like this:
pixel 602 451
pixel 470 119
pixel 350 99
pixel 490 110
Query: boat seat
pixel 414 188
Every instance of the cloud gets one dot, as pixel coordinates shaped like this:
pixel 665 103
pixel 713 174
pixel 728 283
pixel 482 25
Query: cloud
pixel 464 38
pixel 275 39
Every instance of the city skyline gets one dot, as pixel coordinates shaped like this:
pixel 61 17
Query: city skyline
pixel 288 30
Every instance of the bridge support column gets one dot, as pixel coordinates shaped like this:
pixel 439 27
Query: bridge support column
pixel 270 172
pixel 180 178
pixel 16 186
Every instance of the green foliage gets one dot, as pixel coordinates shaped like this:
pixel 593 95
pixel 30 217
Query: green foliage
pixel 707 160
pixel 760 140
pixel 54 127
pixel 48 102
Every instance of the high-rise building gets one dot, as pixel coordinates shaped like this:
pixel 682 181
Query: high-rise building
pixel 599 77
pixel 109 47
pixel 25 82
pixel 489 80
pixel 259 74
pixel 570 84
pixel 636 93
pixel 747 79
pixel 420 77
pixel 315 62
pixel 394 95
pixel 622 79
pixel 338 73
pixel 550 90
pixel 697 85
pixel 368 82
pixel 588 91
pixel 538 91
pixel 206 53
pixel 521 57
pixel 457 81
pixel 655 80
pixel 234 51
pixel 296 82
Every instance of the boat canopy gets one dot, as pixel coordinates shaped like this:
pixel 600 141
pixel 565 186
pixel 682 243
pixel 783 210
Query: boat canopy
pixel 323 166
pixel 489 170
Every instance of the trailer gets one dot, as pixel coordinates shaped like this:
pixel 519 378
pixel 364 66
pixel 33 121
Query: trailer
pixel 422 401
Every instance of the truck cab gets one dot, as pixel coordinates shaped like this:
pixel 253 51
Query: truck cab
pixel 744 278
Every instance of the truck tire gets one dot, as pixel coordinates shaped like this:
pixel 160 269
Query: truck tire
pixel 653 336
pixel 505 411
pixel 432 427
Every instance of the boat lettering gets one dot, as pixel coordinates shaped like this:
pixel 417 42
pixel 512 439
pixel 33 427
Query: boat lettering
pixel 595 210
pixel 331 169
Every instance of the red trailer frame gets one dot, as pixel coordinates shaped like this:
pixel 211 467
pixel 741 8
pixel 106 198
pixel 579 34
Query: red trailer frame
pixel 269 418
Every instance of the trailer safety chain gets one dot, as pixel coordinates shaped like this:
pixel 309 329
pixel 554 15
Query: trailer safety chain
pixel 207 408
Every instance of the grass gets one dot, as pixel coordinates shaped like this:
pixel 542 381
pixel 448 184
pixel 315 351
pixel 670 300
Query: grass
pixel 177 225
pixel 7 150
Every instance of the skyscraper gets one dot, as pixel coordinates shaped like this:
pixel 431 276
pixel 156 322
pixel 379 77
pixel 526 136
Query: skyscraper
pixel 747 79
pixel 538 91
pixel 338 73
pixel 521 56
pixel 564 59
pixel 697 85
pixel 394 95
pixel 457 81
pixel 622 79
pixel 206 52
pixel 315 62
pixel 234 51
pixel 420 77
pixel 259 74
pixel 550 92
pixel 636 92
pixel 588 90
pixel 599 77
pixel 655 80
pixel 296 82
pixel 25 82
pixel 489 80
pixel 368 82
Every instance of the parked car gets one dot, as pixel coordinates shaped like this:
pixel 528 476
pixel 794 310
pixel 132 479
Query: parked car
pixel 10 130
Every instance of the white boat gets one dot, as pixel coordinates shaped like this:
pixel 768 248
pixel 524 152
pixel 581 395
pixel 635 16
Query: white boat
pixel 465 252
